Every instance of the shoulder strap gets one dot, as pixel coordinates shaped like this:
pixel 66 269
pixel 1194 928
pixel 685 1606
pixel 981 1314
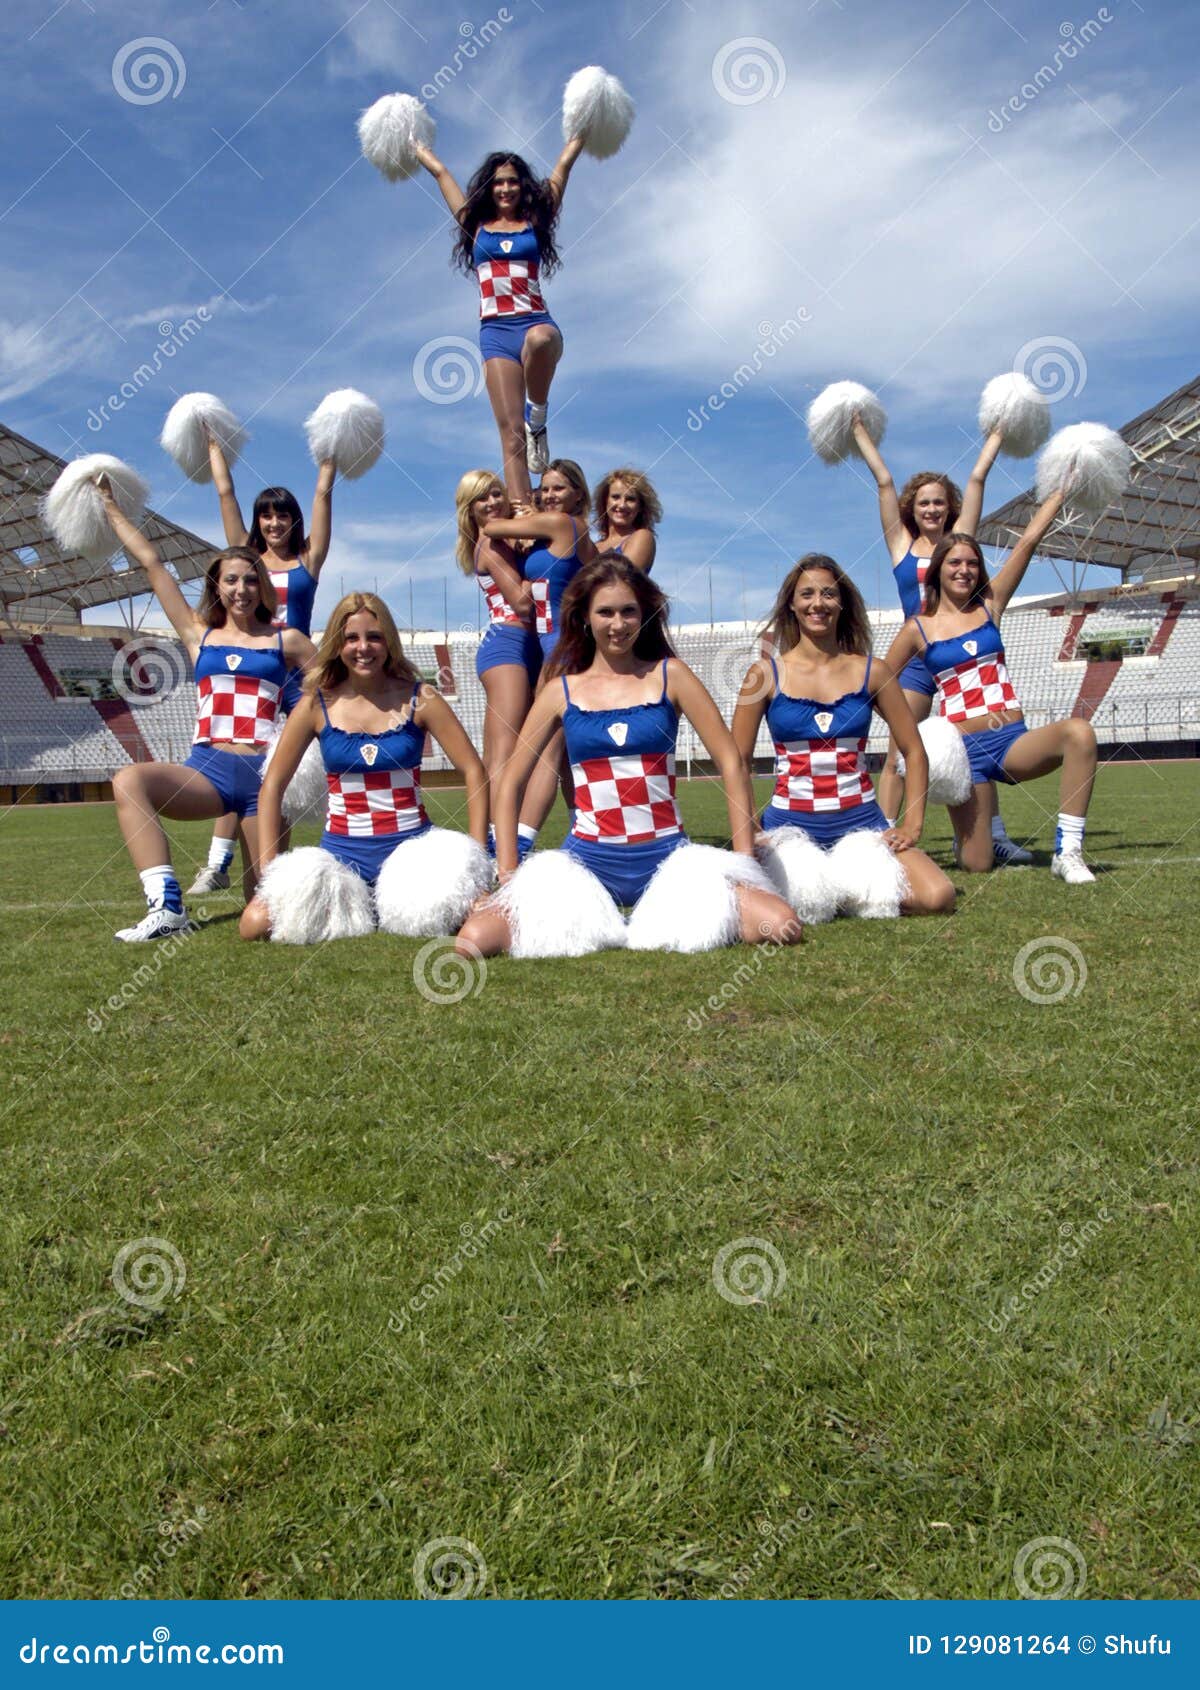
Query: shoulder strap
pixel 324 708
pixel 279 638
pixel 566 694
pixel 920 630
pixel 663 698
pixel 774 669
pixel 204 638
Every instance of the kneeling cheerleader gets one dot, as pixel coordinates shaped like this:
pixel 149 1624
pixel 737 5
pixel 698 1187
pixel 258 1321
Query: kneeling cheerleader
pixel 379 862
pixel 617 690
pixel 827 844
pixel 240 679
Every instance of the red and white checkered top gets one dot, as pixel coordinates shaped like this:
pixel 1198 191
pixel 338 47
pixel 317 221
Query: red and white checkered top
pixel 821 775
pixel 543 614
pixel 279 580
pixel 500 612
pixel 626 800
pixel 509 287
pixel 976 688
pixel 368 802
pixel 235 707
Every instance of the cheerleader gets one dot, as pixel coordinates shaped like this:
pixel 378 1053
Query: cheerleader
pixel 928 506
pixel 617 691
pixel 367 708
pixel 506 222
pixel 293 562
pixel 818 694
pixel 627 512
pixel 240 676
pixel 958 640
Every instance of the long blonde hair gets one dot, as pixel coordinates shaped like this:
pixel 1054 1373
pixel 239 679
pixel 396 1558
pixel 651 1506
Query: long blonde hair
pixel 473 485
pixel 328 670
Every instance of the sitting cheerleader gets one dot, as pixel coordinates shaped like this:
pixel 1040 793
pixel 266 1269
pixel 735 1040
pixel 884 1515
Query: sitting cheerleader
pixel 627 512
pixel 617 690
pixel 818 695
pixel 958 640
pixel 240 678
pixel 379 859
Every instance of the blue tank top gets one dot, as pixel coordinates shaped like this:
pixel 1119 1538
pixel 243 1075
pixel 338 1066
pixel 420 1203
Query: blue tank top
pixel 820 764
pixel 791 719
pixel 549 577
pixel 976 645
pixel 971 674
pixel 238 690
pixel 623 765
pixel 296 591
pixel 258 663
pixel 910 578
pixel 522 246
pixel 344 751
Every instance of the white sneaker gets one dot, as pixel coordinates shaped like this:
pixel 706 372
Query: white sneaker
pixel 537 450
pixel 209 880
pixel 1006 853
pixel 157 923
pixel 1070 866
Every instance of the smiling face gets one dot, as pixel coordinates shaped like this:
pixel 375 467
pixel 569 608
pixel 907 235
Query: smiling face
pixel 614 618
pixel 931 508
pixel 237 587
pixel 489 505
pixel 557 493
pixel 624 507
pixel 506 192
pixel 275 526
pixel 816 603
pixel 960 574
pixel 364 648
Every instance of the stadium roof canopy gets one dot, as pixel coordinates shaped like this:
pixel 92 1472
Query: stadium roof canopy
pixel 38 582
pixel 1154 533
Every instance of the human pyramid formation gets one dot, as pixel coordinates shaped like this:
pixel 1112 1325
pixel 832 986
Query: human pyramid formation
pixel 582 684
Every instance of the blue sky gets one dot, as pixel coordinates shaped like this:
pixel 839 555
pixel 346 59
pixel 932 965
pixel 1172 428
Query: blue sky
pixel 913 195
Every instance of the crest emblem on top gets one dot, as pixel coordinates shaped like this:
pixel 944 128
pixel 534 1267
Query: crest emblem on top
pixel 618 732
pixel 971 645
pixel 824 720
pixel 505 246
pixel 232 659
pixel 369 754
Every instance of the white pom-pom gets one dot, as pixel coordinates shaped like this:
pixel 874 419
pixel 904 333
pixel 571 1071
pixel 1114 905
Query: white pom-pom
pixel 1013 405
pixel 799 870
pixel 184 438
pixel 306 797
pixel 597 108
pixel 347 427
pixel 390 132
pixel 1090 463
pixel 74 512
pixel 870 879
pixel 831 417
pixel 428 884
pixel 691 904
pixel 556 907
pixel 949 770
pixel 311 897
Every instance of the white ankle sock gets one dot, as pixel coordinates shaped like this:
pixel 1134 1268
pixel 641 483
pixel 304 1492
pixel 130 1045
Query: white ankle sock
pixel 535 415
pixel 524 831
pixel 220 853
pixel 1069 835
pixel 999 831
pixel 161 887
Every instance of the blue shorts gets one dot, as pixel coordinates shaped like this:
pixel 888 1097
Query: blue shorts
pixel 367 853
pixel 293 691
pixel 502 645
pixel 547 643
pixel 826 827
pixel 624 871
pixel 236 778
pixel 915 677
pixel 503 337
pixel 987 750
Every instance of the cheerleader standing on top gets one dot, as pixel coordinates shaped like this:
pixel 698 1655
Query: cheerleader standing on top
pixel 241 664
pixel 506 222
pixel 818 689
pixel 293 561
pixel 627 512
pixel 957 638
pixel 928 506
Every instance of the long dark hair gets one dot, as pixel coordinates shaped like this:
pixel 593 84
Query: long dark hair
pixel 908 498
pixel 933 576
pixel 277 499
pixel 538 207
pixel 576 647
pixel 853 627
pixel 213 611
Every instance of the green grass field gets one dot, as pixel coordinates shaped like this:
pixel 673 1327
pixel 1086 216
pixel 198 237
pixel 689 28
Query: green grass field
pixel 449 1269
